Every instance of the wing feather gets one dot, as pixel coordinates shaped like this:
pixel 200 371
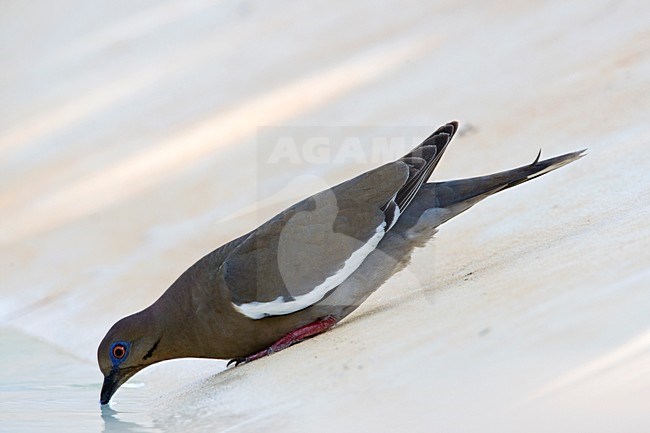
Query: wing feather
pixel 299 256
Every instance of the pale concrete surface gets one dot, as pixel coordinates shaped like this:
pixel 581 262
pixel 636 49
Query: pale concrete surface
pixel 128 150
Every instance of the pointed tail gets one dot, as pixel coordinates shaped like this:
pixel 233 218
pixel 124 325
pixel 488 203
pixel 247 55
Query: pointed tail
pixel 459 195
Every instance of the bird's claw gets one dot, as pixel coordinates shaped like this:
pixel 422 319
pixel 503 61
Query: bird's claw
pixel 247 359
pixel 235 362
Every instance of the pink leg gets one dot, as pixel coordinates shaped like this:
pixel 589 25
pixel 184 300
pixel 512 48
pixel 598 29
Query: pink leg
pixel 291 338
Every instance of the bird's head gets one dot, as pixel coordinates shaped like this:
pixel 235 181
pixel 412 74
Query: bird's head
pixel 128 347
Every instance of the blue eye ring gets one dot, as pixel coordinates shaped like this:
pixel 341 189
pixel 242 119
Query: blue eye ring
pixel 119 352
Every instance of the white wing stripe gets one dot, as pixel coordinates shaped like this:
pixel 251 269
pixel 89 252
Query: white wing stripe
pixel 396 214
pixel 279 307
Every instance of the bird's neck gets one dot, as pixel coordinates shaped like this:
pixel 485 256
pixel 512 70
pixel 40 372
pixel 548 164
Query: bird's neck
pixel 185 314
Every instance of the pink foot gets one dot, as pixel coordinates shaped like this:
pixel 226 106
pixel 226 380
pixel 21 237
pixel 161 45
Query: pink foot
pixel 291 338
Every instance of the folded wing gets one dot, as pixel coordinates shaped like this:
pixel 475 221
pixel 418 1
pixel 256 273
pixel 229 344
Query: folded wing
pixel 299 256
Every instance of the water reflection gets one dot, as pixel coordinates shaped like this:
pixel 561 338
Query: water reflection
pixel 113 424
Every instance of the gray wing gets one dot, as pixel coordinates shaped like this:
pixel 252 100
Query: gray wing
pixel 295 259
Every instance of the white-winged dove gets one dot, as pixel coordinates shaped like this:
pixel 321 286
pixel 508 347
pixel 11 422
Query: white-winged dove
pixel 303 270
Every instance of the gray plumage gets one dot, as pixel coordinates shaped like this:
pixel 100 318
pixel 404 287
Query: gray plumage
pixel 320 258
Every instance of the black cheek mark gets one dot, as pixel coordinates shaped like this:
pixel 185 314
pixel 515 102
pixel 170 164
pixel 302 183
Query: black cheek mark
pixel 150 352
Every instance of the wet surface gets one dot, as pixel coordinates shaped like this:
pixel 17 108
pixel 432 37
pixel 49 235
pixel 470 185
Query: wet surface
pixel 43 388
pixel 130 147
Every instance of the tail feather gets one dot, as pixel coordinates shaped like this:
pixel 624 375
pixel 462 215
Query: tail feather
pixel 456 196
pixel 437 202
pixel 472 190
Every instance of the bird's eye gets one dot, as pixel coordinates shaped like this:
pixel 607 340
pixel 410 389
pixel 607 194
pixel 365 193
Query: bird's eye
pixel 119 351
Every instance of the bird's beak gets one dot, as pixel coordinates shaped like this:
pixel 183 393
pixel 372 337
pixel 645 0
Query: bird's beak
pixel 113 381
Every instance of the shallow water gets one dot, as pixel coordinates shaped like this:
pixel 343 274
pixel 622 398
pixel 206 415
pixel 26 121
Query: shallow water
pixel 42 388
